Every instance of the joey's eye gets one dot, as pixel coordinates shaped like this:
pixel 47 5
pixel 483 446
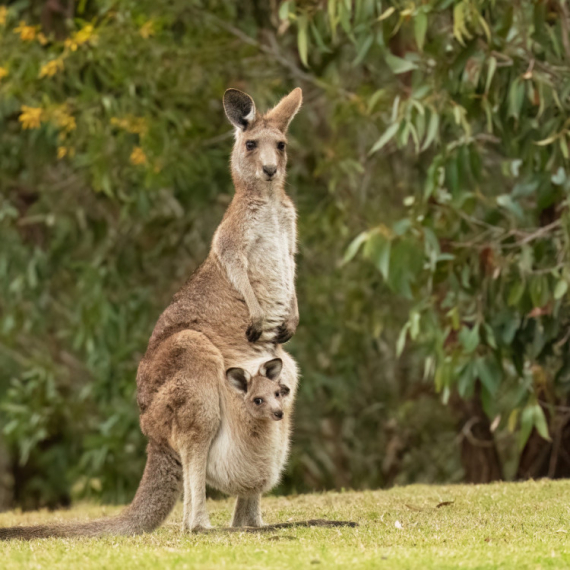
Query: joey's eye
pixel 250 145
pixel 258 401
pixel 277 394
pixel 280 146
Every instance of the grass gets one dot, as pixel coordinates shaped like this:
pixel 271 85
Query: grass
pixel 504 525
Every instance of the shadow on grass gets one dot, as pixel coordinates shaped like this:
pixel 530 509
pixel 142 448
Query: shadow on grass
pixel 277 526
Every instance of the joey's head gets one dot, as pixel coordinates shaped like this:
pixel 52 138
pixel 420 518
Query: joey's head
pixel 263 394
pixel 259 157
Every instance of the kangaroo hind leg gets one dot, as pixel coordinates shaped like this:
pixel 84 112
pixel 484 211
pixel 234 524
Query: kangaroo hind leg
pixel 247 512
pixel 195 396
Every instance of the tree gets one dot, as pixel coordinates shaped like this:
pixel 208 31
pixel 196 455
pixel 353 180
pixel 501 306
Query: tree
pixel 113 177
pixel 478 103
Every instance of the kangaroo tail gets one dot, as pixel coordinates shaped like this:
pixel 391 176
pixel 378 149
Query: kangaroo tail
pixel 155 498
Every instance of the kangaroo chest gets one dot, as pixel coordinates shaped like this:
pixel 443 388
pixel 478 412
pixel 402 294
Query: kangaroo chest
pixel 270 260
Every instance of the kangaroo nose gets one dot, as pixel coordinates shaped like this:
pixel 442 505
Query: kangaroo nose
pixel 270 170
pixel 278 414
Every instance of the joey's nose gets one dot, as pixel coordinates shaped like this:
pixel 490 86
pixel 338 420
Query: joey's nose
pixel 270 170
pixel 278 415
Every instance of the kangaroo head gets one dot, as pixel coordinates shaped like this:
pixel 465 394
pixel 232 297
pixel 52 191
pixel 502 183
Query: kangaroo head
pixel 259 156
pixel 263 394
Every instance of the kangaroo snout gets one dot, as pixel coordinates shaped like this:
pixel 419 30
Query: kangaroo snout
pixel 278 415
pixel 269 170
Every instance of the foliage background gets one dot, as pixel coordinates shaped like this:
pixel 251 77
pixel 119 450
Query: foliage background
pixel 430 169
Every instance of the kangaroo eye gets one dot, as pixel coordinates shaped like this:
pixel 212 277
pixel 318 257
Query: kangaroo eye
pixel 280 146
pixel 277 394
pixel 250 145
pixel 258 401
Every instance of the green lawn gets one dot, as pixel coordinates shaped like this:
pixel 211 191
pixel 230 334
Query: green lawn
pixel 509 525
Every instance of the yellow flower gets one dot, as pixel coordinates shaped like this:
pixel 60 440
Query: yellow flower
pixel 85 34
pixel 31 117
pixel 147 29
pixel 61 152
pixel 50 68
pixel 131 124
pixel 42 39
pixel 27 33
pixel 3 15
pixel 63 119
pixel 82 36
pixel 138 156
pixel 3 72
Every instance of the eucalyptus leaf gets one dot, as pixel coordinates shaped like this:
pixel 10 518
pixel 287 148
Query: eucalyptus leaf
pixel 399 65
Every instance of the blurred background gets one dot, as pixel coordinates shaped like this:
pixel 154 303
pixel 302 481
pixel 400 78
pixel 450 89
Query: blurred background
pixel 430 168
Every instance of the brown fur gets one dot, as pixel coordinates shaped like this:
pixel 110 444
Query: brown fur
pixel 234 312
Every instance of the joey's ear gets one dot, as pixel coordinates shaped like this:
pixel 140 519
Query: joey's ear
pixel 282 114
pixel 284 389
pixel 238 378
pixel 239 108
pixel 272 368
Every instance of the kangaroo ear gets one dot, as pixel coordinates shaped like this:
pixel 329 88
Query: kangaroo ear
pixel 272 368
pixel 285 390
pixel 282 114
pixel 238 378
pixel 239 108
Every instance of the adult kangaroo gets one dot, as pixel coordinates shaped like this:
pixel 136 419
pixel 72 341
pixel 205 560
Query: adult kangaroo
pixel 234 312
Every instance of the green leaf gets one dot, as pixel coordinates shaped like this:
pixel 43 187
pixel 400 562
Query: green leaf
pixel 548 140
pixel 490 73
pixel 318 39
pixel 414 325
pixel 489 374
pixel 509 204
pixel 302 39
pixel 402 226
pixel 401 343
pixel 432 130
pixel 386 14
pixel 284 10
pixel 490 336
pixel 399 65
pixel 560 289
pixel 512 421
pixel 539 291
pixel 383 260
pixel 354 246
pixel 540 422
pixel 385 138
pixel 559 177
pixel 466 381
pixel 365 46
pixel 420 28
pixel 527 423
pixel 374 99
pixel 516 98
pixel 333 18
pixel 516 293
pixel 469 338
pixel 378 250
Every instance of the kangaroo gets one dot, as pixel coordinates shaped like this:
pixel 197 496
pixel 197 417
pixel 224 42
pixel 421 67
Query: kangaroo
pixel 235 311
pixel 250 449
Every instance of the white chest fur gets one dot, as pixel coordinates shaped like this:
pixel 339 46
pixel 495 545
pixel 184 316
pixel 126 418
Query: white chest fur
pixel 245 466
pixel 271 264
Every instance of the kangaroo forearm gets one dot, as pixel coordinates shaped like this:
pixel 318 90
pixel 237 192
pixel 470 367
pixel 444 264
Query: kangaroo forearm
pixel 246 290
pixel 236 270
